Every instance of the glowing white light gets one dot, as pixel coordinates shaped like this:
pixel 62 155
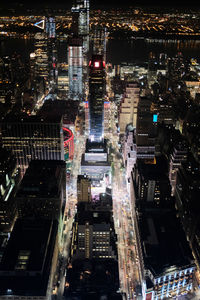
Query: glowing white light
pixel 96 64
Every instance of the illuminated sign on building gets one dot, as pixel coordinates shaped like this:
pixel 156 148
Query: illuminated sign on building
pixel 96 64
pixel 40 24
pixel 68 143
pixel 155 118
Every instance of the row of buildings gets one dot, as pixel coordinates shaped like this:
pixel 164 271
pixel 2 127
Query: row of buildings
pixel 162 175
pixel 32 218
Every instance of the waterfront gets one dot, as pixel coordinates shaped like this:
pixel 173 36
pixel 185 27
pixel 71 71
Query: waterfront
pixel 118 51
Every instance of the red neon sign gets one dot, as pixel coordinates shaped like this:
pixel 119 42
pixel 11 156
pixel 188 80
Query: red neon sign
pixel 68 139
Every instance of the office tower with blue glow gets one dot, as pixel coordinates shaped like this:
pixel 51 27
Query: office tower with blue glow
pixel 75 71
pixel 97 91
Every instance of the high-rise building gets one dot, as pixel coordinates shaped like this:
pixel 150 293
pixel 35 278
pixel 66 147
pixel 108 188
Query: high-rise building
pixel 146 129
pixel 129 106
pixel 41 55
pixel 80 17
pixel 152 182
pixel 93 279
pixel 45 56
pixel 9 179
pixel 52 52
pixel 75 69
pixel 28 264
pixel 179 155
pixel 63 83
pixel 187 195
pixel 167 263
pixel 6 80
pixel 95 161
pixel 152 68
pixel 97 91
pixel 94 235
pixel 165 260
pixel 42 191
pixel 83 189
pixel 33 137
pixel 99 41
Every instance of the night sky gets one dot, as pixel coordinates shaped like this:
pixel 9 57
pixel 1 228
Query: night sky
pixel 106 3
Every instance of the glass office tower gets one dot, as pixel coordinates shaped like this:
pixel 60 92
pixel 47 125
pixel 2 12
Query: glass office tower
pixel 97 90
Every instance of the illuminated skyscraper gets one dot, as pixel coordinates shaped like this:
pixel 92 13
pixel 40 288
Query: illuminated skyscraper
pixel 41 57
pixel 75 61
pixel 33 138
pixel 97 90
pixel 45 56
pixel 80 27
pixel 50 29
pixel 80 17
pixel 99 41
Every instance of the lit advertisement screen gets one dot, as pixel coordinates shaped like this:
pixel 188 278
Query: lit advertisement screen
pixel 155 118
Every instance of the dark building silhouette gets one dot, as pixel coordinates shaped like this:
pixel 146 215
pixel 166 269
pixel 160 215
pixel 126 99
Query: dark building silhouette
pixel 166 261
pixel 9 179
pixel 28 262
pixel 187 194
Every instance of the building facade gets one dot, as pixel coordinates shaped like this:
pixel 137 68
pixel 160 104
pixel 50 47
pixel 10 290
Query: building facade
pixel 128 106
pixel 9 180
pixel 75 69
pixel 97 91
pixel 33 138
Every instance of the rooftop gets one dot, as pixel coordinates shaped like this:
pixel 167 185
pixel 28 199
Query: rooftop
pixel 164 241
pixel 42 179
pixel 90 279
pixel 26 262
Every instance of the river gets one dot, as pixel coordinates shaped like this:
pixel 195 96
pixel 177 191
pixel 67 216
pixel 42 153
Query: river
pixel 118 51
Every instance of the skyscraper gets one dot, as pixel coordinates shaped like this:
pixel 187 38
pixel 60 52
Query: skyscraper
pixel 33 138
pixel 95 161
pixel 75 61
pixel 52 51
pixel 97 90
pixel 28 264
pixel 128 106
pixel 80 17
pixel 83 188
pixel 146 128
pixel 9 179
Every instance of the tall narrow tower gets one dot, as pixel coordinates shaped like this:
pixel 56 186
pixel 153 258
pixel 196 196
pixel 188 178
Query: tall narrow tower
pixel 97 91
pixel 95 161
pixel 50 29
pixel 75 61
